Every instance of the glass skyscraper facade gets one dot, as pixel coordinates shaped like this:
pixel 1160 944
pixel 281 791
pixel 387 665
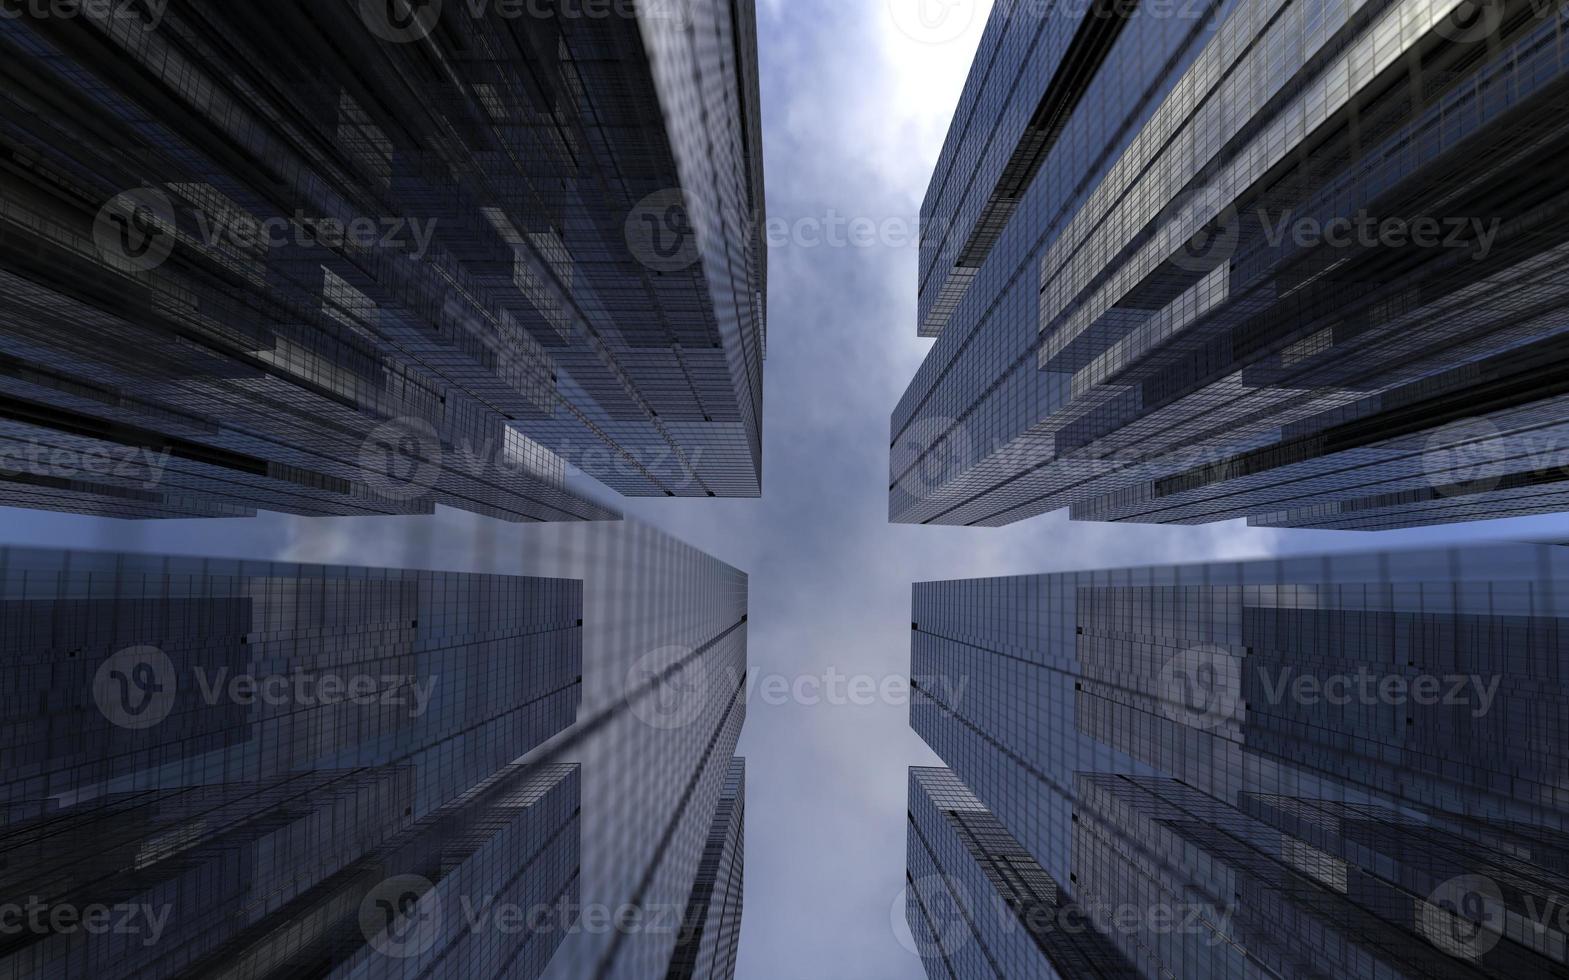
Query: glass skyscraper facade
pixel 235 759
pixel 271 770
pixel 711 928
pixel 979 905
pixel 364 258
pixel 1344 766
pixel 664 701
pixel 1296 262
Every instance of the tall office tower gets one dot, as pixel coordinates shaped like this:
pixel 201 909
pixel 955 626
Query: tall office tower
pixel 1347 766
pixel 979 905
pixel 664 700
pixel 252 769
pixel 1295 262
pixel 368 257
pixel 711 927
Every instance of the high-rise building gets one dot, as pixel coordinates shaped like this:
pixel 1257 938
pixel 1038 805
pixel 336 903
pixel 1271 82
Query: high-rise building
pixel 368 257
pixel 272 770
pixel 664 701
pixel 1294 262
pixel 979 905
pixel 235 758
pixel 1343 766
pixel 711 927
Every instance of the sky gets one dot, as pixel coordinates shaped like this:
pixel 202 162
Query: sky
pixel 857 97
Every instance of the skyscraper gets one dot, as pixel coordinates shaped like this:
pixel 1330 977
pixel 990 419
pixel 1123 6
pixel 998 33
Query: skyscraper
pixel 979 905
pixel 263 769
pixel 1202 261
pixel 365 258
pixel 1344 766
pixel 664 702
pixel 234 759
pixel 711 928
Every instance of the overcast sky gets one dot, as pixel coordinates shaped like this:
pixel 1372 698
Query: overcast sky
pixel 855 110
